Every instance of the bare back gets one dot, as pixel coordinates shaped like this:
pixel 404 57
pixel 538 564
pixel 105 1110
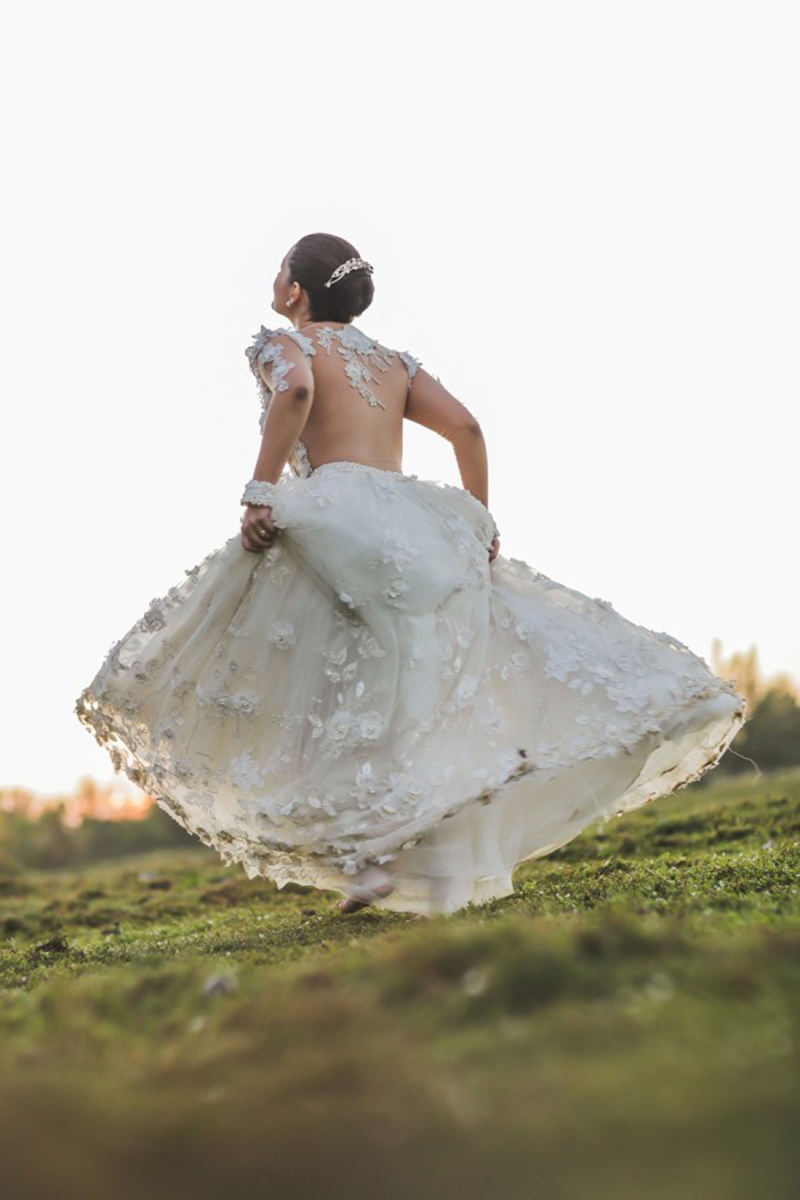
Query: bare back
pixel 339 427
pixel 362 392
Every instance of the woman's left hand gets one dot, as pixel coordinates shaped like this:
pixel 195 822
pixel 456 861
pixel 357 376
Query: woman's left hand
pixel 258 530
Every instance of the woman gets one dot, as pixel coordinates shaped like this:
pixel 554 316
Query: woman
pixel 358 692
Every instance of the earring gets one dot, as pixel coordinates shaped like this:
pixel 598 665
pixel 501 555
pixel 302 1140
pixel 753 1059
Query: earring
pixel 290 302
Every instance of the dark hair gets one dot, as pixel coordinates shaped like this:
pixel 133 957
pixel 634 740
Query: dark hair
pixel 312 261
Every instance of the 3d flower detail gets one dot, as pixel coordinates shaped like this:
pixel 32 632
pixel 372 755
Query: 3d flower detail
pixel 370 725
pixel 244 771
pixel 338 725
pixel 282 634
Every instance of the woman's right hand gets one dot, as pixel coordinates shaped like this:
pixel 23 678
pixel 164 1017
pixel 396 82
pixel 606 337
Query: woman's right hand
pixel 494 549
pixel 258 530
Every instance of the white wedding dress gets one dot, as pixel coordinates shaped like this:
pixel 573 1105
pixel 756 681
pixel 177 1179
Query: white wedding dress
pixel 371 690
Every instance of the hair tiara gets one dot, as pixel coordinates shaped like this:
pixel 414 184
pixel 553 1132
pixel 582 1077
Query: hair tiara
pixel 352 264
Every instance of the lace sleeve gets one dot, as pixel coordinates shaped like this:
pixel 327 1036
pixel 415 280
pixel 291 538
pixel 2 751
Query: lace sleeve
pixel 411 362
pixel 268 350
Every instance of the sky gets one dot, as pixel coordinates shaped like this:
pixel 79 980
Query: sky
pixel 582 218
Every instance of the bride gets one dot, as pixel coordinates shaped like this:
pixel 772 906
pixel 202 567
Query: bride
pixel 358 691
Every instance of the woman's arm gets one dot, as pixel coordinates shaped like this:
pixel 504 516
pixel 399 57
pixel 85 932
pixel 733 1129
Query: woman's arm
pixel 286 417
pixel 430 404
pixel 473 465
pixel 288 409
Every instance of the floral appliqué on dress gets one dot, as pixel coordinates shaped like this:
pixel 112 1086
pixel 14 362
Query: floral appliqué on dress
pixel 360 353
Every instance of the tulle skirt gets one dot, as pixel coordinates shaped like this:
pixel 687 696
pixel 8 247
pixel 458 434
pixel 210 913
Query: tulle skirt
pixel 371 690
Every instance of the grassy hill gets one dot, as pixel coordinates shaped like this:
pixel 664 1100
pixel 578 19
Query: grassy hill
pixel 625 1025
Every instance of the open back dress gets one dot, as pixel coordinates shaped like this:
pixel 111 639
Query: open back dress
pixel 372 690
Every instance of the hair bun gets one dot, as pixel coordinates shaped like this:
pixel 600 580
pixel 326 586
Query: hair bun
pixel 335 276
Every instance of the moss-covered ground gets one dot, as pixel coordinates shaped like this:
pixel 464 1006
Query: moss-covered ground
pixel 625 1025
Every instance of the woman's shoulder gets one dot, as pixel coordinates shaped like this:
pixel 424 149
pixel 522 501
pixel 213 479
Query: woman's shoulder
pixel 411 362
pixel 268 345
pixel 359 340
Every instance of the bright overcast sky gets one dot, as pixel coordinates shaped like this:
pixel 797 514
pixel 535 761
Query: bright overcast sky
pixel 582 218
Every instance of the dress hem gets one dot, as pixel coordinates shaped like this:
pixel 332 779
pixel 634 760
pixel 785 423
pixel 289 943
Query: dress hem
pixel 645 788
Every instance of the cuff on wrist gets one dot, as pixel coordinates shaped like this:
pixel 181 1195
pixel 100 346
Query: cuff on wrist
pixel 258 491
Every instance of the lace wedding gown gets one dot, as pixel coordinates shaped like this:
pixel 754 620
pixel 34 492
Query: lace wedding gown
pixel 371 690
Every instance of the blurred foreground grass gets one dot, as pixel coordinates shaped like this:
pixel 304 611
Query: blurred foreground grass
pixel 624 1025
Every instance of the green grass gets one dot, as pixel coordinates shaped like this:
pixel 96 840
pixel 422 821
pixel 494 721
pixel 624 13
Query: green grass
pixel 624 1025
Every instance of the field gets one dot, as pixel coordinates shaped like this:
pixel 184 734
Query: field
pixel 625 1025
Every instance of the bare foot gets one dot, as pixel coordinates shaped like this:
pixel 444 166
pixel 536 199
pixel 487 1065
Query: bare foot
pixel 373 884
pixel 351 905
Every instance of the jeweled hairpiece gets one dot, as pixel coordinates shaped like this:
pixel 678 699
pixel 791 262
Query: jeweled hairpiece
pixel 345 268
